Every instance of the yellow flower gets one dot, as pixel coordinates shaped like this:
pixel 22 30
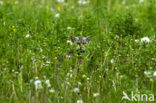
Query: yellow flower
pixel 14 28
pixel 120 6
pixel 59 8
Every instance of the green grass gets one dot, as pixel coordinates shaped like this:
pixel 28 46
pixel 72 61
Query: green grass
pixel 33 44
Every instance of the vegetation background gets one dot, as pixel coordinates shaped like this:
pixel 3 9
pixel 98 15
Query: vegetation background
pixel 33 44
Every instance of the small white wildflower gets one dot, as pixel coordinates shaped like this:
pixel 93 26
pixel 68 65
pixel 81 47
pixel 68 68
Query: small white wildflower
pixel 48 83
pixel 31 81
pixel 60 1
pixel 41 50
pixel 68 83
pixel 16 72
pixel 68 56
pixel 154 74
pixel 123 2
pixel 4 23
pixel 151 79
pixel 141 1
pixel 88 79
pixel 69 42
pixel 127 7
pixel 145 39
pixel 61 97
pixel 38 84
pixel 117 37
pixel 16 2
pixel 95 94
pixel 57 15
pixel 47 62
pixel 112 61
pixel 72 7
pixel 44 77
pixel 71 70
pixel 69 75
pixel 79 101
pixel 121 76
pixel 147 73
pixel 43 57
pixel 83 2
pixel 5 68
pixel 116 68
pixel 136 41
pixel 79 83
pixel 69 28
pixel 36 78
pixel 84 76
pixel 59 47
pixel 55 58
pixel 27 36
pixel 1 2
pixel 76 90
pixel 52 90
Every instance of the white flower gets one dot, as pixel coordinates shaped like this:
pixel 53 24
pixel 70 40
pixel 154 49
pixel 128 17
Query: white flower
pixel 68 83
pixel 38 84
pixel 148 73
pixel 4 23
pixel 41 50
pixel 16 72
pixel 76 90
pixel 151 79
pixel 1 2
pixel 44 76
pixel 43 57
pixel 112 61
pixel 16 2
pixel 57 15
pixel 69 75
pixel 60 1
pixel 68 56
pixel 55 58
pixel 154 74
pixel 145 39
pixel 84 76
pixel 52 90
pixel 95 94
pixel 27 36
pixel 88 79
pixel 48 83
pixel 127 7
pixel 79 101
pixel 141 1
pixel 47 62
pixel 79 83
pixel 71 70
pixel 31 80
pixel 83 2
pixel 136 41
pixel 69 42
pixel 69 28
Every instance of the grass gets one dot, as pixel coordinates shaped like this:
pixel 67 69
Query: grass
pixel 33 42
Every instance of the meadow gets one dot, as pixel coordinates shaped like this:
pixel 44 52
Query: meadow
pixel 120 58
